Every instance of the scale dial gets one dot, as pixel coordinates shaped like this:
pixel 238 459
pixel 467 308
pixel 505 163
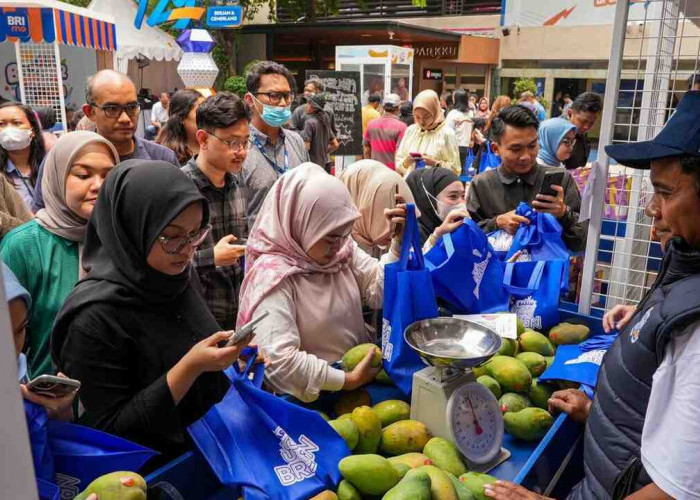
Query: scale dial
pixel 476 422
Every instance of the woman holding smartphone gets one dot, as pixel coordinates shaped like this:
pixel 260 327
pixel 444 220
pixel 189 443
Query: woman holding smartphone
pixel 136 331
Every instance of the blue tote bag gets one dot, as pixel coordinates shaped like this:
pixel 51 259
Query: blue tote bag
pixel 269 447
pixel 534 288
pixel 408 297
pixel 466 272
pixel 489 160
pixel 541 239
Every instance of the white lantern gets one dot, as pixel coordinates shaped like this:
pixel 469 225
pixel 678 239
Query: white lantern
pixel 197 70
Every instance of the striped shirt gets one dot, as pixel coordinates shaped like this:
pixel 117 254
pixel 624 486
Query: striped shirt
pixel 383 136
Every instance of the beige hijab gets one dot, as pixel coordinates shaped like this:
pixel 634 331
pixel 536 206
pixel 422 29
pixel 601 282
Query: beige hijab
pixel 429 101
pixel 372 186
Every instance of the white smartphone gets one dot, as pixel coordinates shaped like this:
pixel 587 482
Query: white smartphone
pixel 246 330
pixel 52 386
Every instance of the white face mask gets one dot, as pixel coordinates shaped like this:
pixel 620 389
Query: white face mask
pixel 15 138
pixel 441 208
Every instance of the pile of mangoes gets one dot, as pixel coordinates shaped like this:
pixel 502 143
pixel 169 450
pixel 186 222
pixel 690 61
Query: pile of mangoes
pixel 512 377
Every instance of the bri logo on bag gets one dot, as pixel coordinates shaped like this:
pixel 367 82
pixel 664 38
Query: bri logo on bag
pixel 478 271
pixel 634 333
pixel 69 485
pixel 387 346
pixel 595 357
pixel 525 310
pixel 301 462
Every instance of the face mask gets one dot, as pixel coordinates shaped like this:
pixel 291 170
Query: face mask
pixel 15 138
pixel 441 208
pixel 275 116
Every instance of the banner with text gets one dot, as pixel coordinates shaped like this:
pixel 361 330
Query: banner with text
pixel 527 13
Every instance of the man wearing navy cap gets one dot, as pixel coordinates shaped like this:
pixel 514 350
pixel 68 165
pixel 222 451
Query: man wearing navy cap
pixel 642 437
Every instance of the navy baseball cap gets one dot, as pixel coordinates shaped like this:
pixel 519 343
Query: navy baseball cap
pixel 680 136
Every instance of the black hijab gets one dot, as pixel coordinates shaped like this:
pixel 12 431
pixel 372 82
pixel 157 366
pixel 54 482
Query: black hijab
pixel 433 180
pixel 137 201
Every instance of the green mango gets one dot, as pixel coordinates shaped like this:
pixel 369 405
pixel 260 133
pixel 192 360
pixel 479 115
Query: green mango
pixel 404 436
pixel 370 474
pixel 549 360
pixel 116 486
pixel 415 487
pixel 530 424
pixel 353 357
pixel 535 362
pixel 491 384
pixel 540 394
pixel 567 334
pixel 444 456
pixel 401 469
pixel 480 370
pixel 508 347
pixel 347 491
pixel 463 492
pixel 512 375
pixel 511 402
pixel 383 378
pixel 521 326
pixel 369 428
pixel 347 430
pixel 441 487
pixel 324 495
pixel 392 410
pixel 349 400
pixel 532 341
pixel 413 460
pixel 475 481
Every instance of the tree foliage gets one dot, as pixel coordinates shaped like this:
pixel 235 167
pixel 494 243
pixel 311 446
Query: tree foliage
pixel 523 85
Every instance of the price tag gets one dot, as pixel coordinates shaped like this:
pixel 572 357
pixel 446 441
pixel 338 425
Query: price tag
pixel 505 325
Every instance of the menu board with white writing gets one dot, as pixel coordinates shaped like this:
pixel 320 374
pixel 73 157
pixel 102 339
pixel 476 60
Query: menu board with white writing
pixel 342 92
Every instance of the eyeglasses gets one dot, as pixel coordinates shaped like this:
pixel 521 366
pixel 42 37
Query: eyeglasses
pixel 276 97
pixel 568 142
pixel 115 111
pixel 173 245
pixel 235 144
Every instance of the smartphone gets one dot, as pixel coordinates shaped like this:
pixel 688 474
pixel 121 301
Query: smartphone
pixel 49 385
pixel 555 177
pixel 416 155
pixel 246 330
pixel 397 227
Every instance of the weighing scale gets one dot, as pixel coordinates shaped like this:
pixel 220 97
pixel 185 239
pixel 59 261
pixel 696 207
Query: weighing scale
pixel 446 396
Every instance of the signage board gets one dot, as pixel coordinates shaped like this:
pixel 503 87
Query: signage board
pixel 527 13
pixel 226 16
pixel 440 50
pixel 16 24
pixel 432 74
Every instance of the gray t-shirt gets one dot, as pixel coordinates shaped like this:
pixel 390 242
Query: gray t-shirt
pixel 317 133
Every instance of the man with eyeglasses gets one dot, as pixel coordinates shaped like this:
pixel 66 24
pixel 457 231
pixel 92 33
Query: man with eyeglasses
pixel 223 134
pixel 583 113
pixel 273 150
pixel 110 102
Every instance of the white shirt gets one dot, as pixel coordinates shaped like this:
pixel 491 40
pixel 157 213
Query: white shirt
pixel 463 131
pixel 671 434
pixel 159 113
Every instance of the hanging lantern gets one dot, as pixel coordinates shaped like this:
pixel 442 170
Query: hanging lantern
pixel 197 67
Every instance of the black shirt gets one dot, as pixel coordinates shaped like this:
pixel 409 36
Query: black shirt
pixel 318 134
pixel 579 155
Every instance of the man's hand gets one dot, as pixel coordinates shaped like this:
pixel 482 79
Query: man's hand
pixel 505 490
pixel 226 253
pixel 551 204
pixel 573 402
pixel 617 317
pixel 510 221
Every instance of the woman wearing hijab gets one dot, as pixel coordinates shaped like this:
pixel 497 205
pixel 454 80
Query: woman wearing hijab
pixel 135 331
pixel 305 270
pixel 429 138
pixel 439 196
pixel 557 138
pixel 44 254
pixel 372 188
pixel 482 108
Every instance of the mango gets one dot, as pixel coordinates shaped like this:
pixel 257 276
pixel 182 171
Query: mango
pixel 404 436
pixel 463 492
pixel 540 394
pixel 413 460
pixel 392 410
pixel 480 370
pixel 370 474
pixel 116 486
pixel 383 378
pixel 511 402
pixel 508 347
pixel 325 495
pixel 369 428
pixel 475 481
pixel 401 469
pixel 347 430
pixel 491 384
pixel 549 360
pixel 441 487
pixel 353 357
pixel 347 491
pixel 535 362
pixel 520 327
pixel 349 400
pixel 444 456
pixel 512 375
pixel 567 333
pixel 416 487
pixel 532 341
pixel 530 424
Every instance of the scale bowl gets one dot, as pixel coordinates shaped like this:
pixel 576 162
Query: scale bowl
pixel 452 342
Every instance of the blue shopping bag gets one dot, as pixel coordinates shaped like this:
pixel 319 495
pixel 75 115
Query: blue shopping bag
pixel 37 419
pixel 541 239
pixel 269 447
pixel 408 297
pixel 47 490
pixel 534 288
pixel 466 272
pixel 489 160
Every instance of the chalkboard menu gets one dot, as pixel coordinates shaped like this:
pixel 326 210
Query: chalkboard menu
pixel 342 91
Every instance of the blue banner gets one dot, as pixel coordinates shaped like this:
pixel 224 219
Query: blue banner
pixel 230 16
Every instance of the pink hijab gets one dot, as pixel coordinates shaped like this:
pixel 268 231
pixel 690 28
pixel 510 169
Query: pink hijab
pixel 303 206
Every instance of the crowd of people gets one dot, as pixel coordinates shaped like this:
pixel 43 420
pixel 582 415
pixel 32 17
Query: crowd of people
pixel 129 262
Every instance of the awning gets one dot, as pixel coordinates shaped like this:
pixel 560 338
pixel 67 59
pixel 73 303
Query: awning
pixel 42 21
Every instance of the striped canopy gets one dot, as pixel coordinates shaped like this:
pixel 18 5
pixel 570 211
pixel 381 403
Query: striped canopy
pixel 56 25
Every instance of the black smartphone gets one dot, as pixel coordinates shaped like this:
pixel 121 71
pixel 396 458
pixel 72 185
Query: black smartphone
pixel 555 177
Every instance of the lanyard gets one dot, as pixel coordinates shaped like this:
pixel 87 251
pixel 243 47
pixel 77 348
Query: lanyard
pixel 273 164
